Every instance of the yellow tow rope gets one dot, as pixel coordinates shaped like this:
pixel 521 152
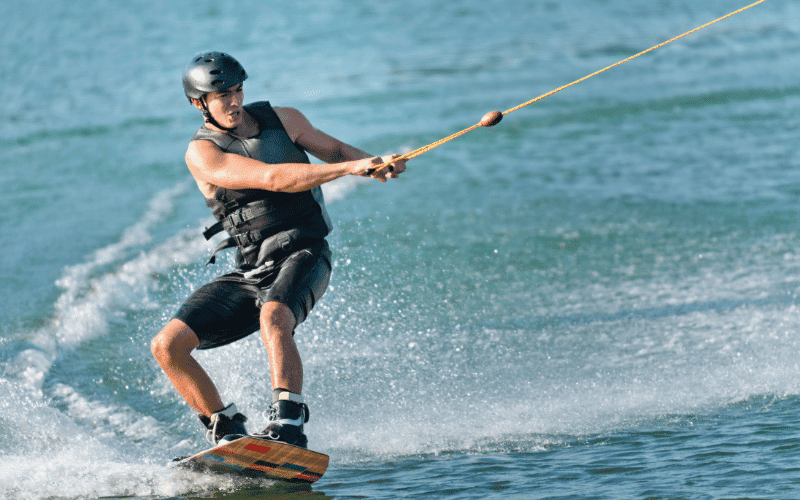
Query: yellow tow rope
pixel 493 117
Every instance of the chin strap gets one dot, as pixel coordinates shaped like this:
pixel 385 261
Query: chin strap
pixel 210 119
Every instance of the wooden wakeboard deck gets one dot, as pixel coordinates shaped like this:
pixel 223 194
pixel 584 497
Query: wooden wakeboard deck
pixel 252 457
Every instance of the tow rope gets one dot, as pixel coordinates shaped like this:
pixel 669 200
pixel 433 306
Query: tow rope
pixel 493 117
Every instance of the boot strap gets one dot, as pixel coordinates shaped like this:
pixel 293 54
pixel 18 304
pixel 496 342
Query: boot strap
pixel 290 396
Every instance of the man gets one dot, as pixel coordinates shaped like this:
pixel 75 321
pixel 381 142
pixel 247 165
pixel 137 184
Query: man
pixel 250 163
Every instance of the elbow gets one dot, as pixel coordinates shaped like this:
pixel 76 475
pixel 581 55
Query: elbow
pixel 272 181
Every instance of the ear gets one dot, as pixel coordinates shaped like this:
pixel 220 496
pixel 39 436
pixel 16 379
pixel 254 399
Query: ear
pixel 198 104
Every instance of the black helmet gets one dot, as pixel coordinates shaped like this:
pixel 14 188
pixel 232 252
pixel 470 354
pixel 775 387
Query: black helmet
pixel 211 72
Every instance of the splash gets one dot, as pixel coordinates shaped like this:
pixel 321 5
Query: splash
pixel 61 440
pixel 89 299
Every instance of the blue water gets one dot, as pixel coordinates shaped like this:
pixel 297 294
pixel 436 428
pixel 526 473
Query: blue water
pixel 598 298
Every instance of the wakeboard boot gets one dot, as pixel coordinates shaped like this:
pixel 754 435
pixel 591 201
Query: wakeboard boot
pixel 286 418
pixel 225 425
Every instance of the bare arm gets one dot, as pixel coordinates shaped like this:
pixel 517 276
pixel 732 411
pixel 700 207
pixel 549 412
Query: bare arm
pixel 330 149
pixel 213 167
pixel 317 142
pixel 209 164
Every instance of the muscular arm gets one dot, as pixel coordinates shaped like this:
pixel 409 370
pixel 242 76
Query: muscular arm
pixel 211 166
pixel 317 142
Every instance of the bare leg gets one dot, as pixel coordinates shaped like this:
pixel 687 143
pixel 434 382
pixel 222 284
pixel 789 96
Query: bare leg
pixel 172 348
pixel 286 368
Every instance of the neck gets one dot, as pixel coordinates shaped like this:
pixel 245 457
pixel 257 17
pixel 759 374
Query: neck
pixel 215 125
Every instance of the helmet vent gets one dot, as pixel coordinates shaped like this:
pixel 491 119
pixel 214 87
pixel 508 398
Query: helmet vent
pixel 215 72
pixel 216 83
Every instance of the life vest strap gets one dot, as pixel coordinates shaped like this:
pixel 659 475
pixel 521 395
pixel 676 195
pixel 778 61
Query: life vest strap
pixel 238 217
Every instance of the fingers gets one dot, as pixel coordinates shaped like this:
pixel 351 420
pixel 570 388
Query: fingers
pixel 391 170
pixel 397 167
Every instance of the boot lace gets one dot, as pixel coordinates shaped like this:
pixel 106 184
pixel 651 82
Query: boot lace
pixel 272 413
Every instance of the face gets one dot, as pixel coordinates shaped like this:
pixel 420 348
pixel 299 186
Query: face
pixel 226 106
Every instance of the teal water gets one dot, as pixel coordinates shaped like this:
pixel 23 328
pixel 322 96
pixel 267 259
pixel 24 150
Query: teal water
pixel 598 298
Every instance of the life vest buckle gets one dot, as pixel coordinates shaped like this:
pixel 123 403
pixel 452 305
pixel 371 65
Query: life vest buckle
pixel 236 218
pixel 246 238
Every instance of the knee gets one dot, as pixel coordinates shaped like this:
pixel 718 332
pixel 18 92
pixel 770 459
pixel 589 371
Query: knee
pixel 160 346
pixel 174 341
pixel 276 320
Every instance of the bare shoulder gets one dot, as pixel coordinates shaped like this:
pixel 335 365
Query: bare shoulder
pixel 295 122
pixel 286 113
pixel 200 158
pixel 200 150
pixel 202 155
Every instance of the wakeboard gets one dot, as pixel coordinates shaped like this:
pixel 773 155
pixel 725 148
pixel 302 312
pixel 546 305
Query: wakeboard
pixel 259 458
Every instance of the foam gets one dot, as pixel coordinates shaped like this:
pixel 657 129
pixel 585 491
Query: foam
pixel 340 188
pixel 88 300
pixel 89 449
pixel 108 421
pixel 82 472
pixel 71 444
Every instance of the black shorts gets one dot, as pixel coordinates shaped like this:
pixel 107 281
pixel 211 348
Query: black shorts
pixel 228 308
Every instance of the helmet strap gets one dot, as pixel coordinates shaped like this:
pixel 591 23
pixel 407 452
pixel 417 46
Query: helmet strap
pixel 210 119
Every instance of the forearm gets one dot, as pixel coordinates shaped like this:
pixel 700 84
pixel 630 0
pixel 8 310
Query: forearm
pixel 229 170
pixel 297 177
pixel 283 177
pixel 300 177
pixel 215 168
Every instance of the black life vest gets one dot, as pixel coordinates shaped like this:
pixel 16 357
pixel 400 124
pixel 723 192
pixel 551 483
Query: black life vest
pixel 258 220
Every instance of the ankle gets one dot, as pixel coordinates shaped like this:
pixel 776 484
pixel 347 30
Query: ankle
pixel 286 395
pixel 225 422
pixel 288 408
